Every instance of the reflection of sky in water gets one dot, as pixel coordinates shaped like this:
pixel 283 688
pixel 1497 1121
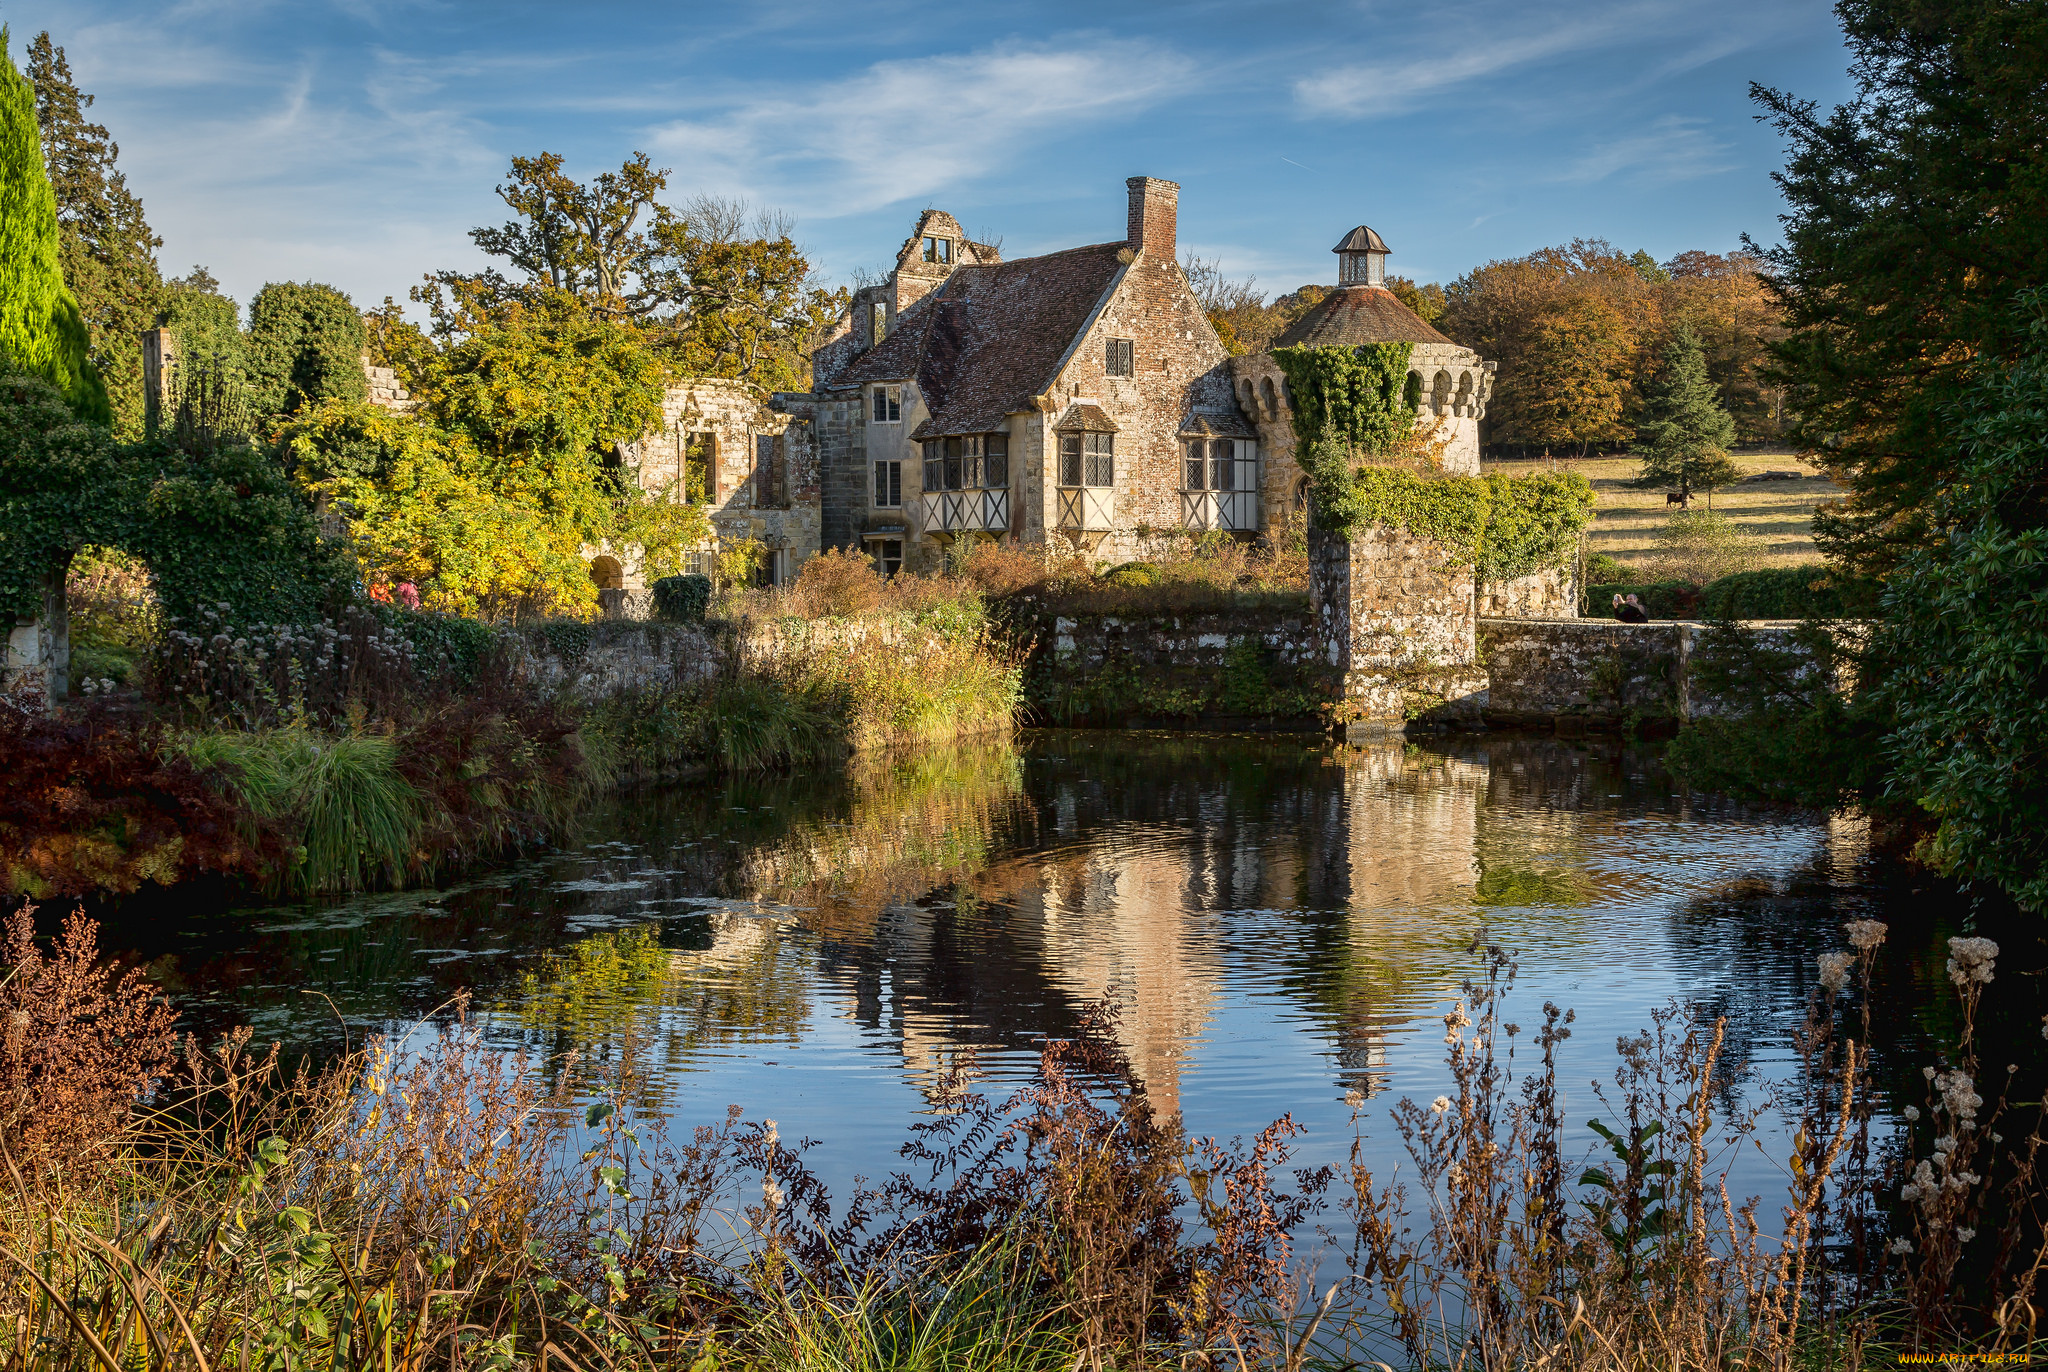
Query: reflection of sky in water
pixel 1279 922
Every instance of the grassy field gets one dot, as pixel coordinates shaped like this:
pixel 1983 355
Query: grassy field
pixel 1626 521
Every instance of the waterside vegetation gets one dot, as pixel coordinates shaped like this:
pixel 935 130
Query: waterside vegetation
pixel 462 1206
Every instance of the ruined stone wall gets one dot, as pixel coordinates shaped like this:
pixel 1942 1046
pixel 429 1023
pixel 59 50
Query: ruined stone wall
pixel 386 392
pixel 1257 667
pixel 595 662
pixel 1190 639
pixel 1552 593
pixel 785 516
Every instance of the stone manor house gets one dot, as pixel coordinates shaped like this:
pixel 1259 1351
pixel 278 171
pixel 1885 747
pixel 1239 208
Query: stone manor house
pixel 1081 394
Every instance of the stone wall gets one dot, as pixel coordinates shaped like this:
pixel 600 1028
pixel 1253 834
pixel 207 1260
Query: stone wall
pixel 1574 672
pixel 764 478
pixel 1552 593
pixel 1190 640
pixel 1187 669
pixel 1395 615
pixel 598 661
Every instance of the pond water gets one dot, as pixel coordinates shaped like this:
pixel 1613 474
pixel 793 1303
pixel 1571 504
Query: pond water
pixel 1280 922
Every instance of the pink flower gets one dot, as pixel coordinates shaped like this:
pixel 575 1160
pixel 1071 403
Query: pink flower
pixel 409 595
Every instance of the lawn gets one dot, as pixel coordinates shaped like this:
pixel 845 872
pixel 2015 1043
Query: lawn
pixel 1626 521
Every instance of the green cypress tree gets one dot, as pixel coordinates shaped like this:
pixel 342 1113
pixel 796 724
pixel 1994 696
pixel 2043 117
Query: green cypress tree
pixel 105 245
pixel 41 330
pixel 1683 435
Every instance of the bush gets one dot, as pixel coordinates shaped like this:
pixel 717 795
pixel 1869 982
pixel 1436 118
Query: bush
pixel 1700 546
pixel 1805 592
pixel 354 818
pixel 81 1043
pixel 1132 575
pixel 682 599
pixel 1809 591
pixel 91 806
pixel 1663 599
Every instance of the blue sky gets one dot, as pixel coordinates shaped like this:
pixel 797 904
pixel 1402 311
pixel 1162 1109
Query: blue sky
pixel 356 142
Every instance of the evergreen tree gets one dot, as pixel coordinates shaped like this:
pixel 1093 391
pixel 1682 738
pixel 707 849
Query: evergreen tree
pixel 105 245
pixel 1684 433
pixel 305 346
pixel 206 325
pixel 1917 211
pixel 41 330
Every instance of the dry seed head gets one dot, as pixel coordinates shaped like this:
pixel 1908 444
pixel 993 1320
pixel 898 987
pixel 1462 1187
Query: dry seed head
pixel 1864 934
pixel 1970 960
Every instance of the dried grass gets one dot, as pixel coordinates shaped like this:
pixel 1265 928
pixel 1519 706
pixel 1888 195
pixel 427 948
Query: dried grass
pixel 458 1207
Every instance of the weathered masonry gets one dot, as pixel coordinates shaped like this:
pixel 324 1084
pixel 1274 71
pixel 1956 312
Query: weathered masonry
pixel 1081 395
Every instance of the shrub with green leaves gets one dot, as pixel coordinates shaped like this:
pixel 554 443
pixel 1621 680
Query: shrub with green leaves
pixel 1966 634
pixel 682 599
pixel 305 346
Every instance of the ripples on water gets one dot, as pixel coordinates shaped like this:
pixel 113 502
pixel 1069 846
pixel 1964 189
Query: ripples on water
pixel 1280 923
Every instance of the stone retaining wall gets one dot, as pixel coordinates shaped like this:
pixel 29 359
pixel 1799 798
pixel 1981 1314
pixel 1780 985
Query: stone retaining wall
pixel 1567 672
pixel 1188 640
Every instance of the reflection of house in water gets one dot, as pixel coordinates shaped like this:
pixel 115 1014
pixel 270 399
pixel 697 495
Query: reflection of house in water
pixel 1128 894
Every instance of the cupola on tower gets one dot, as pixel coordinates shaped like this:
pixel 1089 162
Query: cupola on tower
pixel 1449 383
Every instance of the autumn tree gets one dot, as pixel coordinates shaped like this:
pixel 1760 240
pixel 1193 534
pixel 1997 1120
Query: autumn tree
pixel 1235 308
pixel 1573 381
pixel 512 464
pixel 1682 433
pixel 1917 211
pixel 719 293
pixel 104 243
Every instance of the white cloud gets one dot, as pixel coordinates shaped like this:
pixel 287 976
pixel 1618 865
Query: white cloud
pixel 1673 148
pixel 1463 46
pixel 906 129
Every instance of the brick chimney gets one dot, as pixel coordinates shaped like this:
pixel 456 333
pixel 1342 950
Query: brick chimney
pixel 1155 204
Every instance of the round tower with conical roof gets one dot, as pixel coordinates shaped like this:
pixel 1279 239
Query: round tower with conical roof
pixel 1451 383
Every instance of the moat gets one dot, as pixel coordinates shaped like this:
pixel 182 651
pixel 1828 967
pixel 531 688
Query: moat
pixel 1281 923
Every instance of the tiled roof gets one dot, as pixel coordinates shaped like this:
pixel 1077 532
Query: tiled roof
pixel 1216 426
pixel 1351 315
pixel 1086 418
pixel 990 339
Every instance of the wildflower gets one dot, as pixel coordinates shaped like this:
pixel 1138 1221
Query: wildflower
pixel 1909 1192
pixel 1901 1247
pixel 1997 1137
pixel 771 1194
pixel 1440 1104
pixel 1928 1072
pixel 1864 934
pixel 1911 1112
pixel 1964 1235
pixel 1970 960
pixel 1958 1095
pixel 1834 970
pixel 1354 1098
pixel 1455 1021
pixel 1514 1029
pixel 1945 1146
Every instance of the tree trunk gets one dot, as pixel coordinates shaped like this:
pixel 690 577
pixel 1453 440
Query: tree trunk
pixel 57 623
